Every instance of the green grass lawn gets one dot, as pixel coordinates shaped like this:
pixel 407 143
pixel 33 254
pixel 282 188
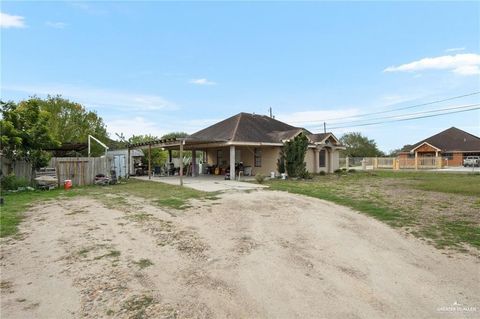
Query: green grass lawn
pixel 440 207
pixel 164 195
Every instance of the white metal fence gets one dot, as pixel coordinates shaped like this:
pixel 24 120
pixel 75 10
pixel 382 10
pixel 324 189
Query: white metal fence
pixel 394 163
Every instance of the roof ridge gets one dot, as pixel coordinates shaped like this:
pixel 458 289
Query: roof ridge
pixel 234 133
pixel 462 131
pixel 449 129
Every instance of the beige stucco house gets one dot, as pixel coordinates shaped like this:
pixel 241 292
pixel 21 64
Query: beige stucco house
pixel 256 141
pixel 253 140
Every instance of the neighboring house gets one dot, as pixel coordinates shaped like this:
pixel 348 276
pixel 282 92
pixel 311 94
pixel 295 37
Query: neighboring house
pixel 256 141
pixel 452 145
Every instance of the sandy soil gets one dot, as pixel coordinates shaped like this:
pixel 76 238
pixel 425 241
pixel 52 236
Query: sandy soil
pixel 260 254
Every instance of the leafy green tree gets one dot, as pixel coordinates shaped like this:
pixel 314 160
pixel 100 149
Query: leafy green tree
pixel 70 122
pixel 159 156
pixel 358 145
pixel 293 156
pixel 174 135
pixel 25 133
pixel 395 152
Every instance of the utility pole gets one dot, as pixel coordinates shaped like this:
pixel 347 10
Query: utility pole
pixel 324 127
pixel 271 112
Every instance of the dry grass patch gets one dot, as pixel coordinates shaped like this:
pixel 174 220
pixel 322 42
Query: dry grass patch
pixel 440 207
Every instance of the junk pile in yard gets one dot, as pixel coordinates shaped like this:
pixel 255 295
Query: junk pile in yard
pixel 46 178
pixel 103 180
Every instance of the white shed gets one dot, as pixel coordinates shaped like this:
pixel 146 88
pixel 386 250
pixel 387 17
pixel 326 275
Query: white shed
pixel 118 160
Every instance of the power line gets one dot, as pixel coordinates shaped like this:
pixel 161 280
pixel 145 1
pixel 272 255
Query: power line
pixel 392 110
pixel 408 119
pixel 403 115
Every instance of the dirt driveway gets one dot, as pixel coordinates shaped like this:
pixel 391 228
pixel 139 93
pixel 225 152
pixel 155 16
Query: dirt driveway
pixel 258 254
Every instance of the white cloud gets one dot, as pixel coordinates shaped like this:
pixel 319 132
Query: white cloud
pixel 461 64
pixel 455 49
pixel 202 81
pixel 98 97
pixel 56 25
pixel 467 70
pixel 11 21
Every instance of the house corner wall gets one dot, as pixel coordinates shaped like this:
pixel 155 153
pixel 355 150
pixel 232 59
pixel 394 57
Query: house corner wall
pixel 270 156
pixel 310 160
pixel 335 160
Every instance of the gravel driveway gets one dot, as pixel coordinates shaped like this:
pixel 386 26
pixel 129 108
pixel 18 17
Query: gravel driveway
pixel 256 254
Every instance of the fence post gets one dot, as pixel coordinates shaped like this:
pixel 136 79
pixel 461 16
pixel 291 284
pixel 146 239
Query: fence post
pixel 416 161
pixel 347 162
pixel 438 161
pixel 375 163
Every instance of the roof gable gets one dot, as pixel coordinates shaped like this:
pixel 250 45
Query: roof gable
pixel 428 144
pixel 321 138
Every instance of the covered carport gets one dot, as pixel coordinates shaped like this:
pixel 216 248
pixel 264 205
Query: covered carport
pixel 181 144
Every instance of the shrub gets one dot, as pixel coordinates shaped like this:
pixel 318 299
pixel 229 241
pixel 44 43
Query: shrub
pixel 293 156
pixel 306 175
pixel 322 173
pixel 338 171
pixel 11 182
pixel 260 178
pixel 281 163
pixel 352 170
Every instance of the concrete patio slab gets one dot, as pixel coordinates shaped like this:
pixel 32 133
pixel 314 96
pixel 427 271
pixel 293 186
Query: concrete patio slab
pixel 205 183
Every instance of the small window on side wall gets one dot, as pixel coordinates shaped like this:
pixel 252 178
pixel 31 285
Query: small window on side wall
pixel 321 158
pixel 257 157
pixel 219 157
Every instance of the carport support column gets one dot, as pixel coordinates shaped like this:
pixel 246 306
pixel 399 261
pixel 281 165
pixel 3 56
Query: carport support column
pixel 194 162
pixel 181 162
pixel 232 162
pixel 149 161
pixel 128 163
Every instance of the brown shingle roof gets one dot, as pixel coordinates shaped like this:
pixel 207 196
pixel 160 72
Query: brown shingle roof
pixel 246 127
pixel 452 139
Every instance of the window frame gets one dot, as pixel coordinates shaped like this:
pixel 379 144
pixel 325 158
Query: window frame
pixel 257 157
pixel 324 160
pixel 219 157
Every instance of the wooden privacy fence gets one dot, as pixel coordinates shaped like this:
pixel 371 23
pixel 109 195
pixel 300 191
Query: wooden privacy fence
pixel 21 169
pixel 80 170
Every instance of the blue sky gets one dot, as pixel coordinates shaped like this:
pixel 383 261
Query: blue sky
pixel 157 67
